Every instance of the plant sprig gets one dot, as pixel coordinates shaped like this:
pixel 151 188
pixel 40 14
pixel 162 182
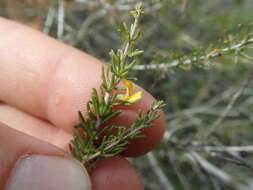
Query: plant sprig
pixel 233 44
pixel 94 136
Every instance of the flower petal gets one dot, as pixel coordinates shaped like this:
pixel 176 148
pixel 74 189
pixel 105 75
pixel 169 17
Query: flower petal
pixel 129 86
pixel 135 97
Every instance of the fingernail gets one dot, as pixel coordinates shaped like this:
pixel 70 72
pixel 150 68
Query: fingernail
pixel 42 172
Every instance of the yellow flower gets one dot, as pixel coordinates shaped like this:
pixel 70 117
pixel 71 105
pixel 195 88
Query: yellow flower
pixel 129 96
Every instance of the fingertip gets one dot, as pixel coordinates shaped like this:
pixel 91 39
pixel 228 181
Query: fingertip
pixel 152 137
pixel 15 144
pixel 114 174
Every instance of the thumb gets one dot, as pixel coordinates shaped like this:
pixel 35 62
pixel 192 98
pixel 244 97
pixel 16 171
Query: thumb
pixel 27 163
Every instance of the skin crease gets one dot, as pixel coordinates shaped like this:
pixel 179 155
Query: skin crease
pixel 43 83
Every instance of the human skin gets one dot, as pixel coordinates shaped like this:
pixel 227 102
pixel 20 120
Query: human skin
pixel 43 83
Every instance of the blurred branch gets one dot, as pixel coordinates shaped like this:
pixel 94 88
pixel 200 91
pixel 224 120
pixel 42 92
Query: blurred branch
pixel 60 18
pixel 49 19
pixel 84 27
pixel 226 111
pixel 248 148
pixel 158 171
pixel 188 62
pixel 210 168
pixel 180 175
pixel 106 8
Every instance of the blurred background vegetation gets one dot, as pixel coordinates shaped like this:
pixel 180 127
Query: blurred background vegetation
pixel 198 58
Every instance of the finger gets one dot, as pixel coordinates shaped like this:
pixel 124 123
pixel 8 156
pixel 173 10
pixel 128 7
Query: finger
pixel 53 80
pixel 152 135
pixel 45 131
pixel 33 126
pixel 114 174
pixel 39 165
pixel 27 163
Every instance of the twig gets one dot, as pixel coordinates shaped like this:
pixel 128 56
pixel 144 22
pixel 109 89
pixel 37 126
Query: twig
pixel 106 8
pixel 88 2
pixel 158 171
pixel 132 132
pixel 205 109
pixel 248 148
pixel 215 183
pixel 181 177
pixel 49 20
pixel 60 18
pixel 212 54
pixel 239 162
pixel 210 168
pixel 91 19
pixel 226 111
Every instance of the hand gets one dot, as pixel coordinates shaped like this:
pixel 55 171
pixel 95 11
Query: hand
pixel 43 83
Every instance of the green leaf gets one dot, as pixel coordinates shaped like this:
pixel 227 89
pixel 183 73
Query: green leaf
pixel 112 116
pixel 136 53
